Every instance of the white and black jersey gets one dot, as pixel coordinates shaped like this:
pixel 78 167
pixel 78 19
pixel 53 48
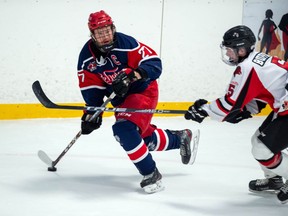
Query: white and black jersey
pixel 259 79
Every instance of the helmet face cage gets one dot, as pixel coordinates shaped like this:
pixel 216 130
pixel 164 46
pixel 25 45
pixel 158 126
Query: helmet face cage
pixel 107 47
pixel 237 37
pixel 229 55
pixel 99 20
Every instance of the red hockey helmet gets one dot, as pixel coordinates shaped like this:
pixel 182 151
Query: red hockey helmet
pixel 99 19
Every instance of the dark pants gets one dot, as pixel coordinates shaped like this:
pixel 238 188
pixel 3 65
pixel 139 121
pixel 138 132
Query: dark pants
pixel 274 133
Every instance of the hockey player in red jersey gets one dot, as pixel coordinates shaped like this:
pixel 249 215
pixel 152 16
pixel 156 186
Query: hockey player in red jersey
pixel 114 62
pixel 258 79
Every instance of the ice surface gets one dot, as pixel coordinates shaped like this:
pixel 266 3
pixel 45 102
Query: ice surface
pixel 95 177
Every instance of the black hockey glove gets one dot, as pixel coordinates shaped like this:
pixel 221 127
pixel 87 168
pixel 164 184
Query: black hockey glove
pixel 122 81
pixel 195 112
pixel 88 126
pixel 239 117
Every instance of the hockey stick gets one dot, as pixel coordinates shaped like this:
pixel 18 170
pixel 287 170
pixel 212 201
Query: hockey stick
pixel 45 101
pixel 46 159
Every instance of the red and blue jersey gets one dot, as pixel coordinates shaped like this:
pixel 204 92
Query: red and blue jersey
pixel 96 70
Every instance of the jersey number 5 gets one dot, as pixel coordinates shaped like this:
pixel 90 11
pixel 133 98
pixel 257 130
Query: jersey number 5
pixel 230 90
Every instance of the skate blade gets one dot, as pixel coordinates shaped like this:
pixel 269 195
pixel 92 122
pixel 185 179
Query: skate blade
pixel 157 187
pixel 194 148
pixel 266 192
pixel 283 202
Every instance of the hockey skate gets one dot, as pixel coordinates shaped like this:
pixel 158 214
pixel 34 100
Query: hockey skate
pixel 152 183
pixel 188 152
pixel 270 185
pixel 283 193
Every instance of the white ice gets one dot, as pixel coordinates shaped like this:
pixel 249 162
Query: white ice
pixel 96 178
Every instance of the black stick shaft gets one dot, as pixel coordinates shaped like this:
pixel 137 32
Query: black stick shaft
pixel 80 133
pixel 45 101
pixel 66 149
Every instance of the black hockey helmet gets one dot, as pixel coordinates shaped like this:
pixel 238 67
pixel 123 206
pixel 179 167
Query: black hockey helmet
pixel 239 36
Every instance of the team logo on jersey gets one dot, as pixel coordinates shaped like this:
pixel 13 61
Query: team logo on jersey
pixel 102 61
pixel 237 71
pixel 109 75
pixel 92 66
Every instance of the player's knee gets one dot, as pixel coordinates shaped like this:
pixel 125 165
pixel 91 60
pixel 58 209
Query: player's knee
pixel 259 149
pixel 122 130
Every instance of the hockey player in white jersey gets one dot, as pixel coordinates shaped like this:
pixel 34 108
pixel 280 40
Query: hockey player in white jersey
pixel 258 80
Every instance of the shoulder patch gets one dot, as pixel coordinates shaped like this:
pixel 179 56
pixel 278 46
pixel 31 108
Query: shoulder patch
pixel 260 59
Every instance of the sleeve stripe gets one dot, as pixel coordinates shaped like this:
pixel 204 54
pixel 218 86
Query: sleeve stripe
pixel 148 58
pixel 221 106
pixel 82 66
pixel 92 87
pixel 125 50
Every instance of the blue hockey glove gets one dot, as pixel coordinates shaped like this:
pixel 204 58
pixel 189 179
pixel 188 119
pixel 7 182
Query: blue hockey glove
pixel 88 126
pixel 195 112
pixel 122 81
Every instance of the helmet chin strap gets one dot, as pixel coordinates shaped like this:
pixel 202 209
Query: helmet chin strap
pixel 240 59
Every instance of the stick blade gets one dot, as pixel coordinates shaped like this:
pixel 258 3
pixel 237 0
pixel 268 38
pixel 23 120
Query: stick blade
pixel 194 147
pixel 45 158
pixel 39 93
